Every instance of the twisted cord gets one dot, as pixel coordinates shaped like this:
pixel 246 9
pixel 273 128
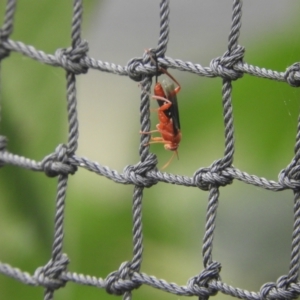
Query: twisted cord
pixel 296 159
pixel 72 113
pixel 293 172
pixel 168 62
pixel 75 56
pixel 137 229
pixel 8 22
pixel 59 261
pixel 145 118
pixel 142 278
pixel 235 25
pixel 161 284
pixel 59 218
pixel 295 254
pixel 210 226
pixel 125 178
pixel 164 28
pixel 76 23
pixel 7 27
pixel 227 160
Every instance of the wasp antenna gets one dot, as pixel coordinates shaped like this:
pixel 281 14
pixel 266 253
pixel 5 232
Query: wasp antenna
pixel 156 64
pixel 177 154
pixel 153 58
pixel 169 161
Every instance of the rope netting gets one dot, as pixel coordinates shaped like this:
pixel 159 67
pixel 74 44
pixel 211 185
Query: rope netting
pixel 63 162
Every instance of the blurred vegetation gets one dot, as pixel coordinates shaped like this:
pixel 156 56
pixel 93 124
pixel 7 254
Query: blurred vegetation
pixel 98 235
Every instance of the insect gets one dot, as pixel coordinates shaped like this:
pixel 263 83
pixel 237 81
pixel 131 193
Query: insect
pixel 168 114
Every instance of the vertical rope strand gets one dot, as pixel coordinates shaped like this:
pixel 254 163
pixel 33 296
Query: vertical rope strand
pixel 5 31
pixel 210 226
pixel 145 117
pixel 227 160
pixel 72 113
pixel 295 254
pixel 76 23
pixel 137 228
pixel 227 86
pixel 71 80
pixel 72 145
pixel 48 294
pixel 235 24
pixel 59 216
pixel 58 229
pixel 8 22
pixel 164 28
pixel 297 145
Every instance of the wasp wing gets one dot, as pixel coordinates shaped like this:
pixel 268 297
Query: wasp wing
pixel 173 111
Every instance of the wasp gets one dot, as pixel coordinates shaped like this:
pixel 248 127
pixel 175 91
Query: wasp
pixel 168 113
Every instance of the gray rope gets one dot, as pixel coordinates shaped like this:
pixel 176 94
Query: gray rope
pixel 288 76
pixel 161 284
pixel 164 28
pixel 201 179
pixel 63 162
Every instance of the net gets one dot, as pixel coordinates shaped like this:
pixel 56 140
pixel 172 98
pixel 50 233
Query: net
pixel 64 161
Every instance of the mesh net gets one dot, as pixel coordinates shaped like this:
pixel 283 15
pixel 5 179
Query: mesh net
pixel 63 162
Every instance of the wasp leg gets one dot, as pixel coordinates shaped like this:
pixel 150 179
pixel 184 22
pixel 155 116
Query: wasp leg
pixel 157 140
pixel 161 99
pixel 148 132
pixel 158 97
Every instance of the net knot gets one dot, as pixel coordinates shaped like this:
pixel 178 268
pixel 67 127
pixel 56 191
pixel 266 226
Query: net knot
pixel 223 66
pixel 280 290
pixel 290 177
pixel 120 282
pixel 3 51
pixel 57 163
pixel 132 67
pixel 292 75
pixel 70 58
pixel 204 178
pixel 49 275
pixel 154 69
pixel 137 173
pixel 199 284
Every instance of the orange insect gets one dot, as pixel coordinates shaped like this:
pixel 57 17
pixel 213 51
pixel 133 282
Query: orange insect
pixel 168 113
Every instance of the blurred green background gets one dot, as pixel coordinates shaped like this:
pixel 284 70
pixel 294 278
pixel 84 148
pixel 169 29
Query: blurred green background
pixel 254 226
